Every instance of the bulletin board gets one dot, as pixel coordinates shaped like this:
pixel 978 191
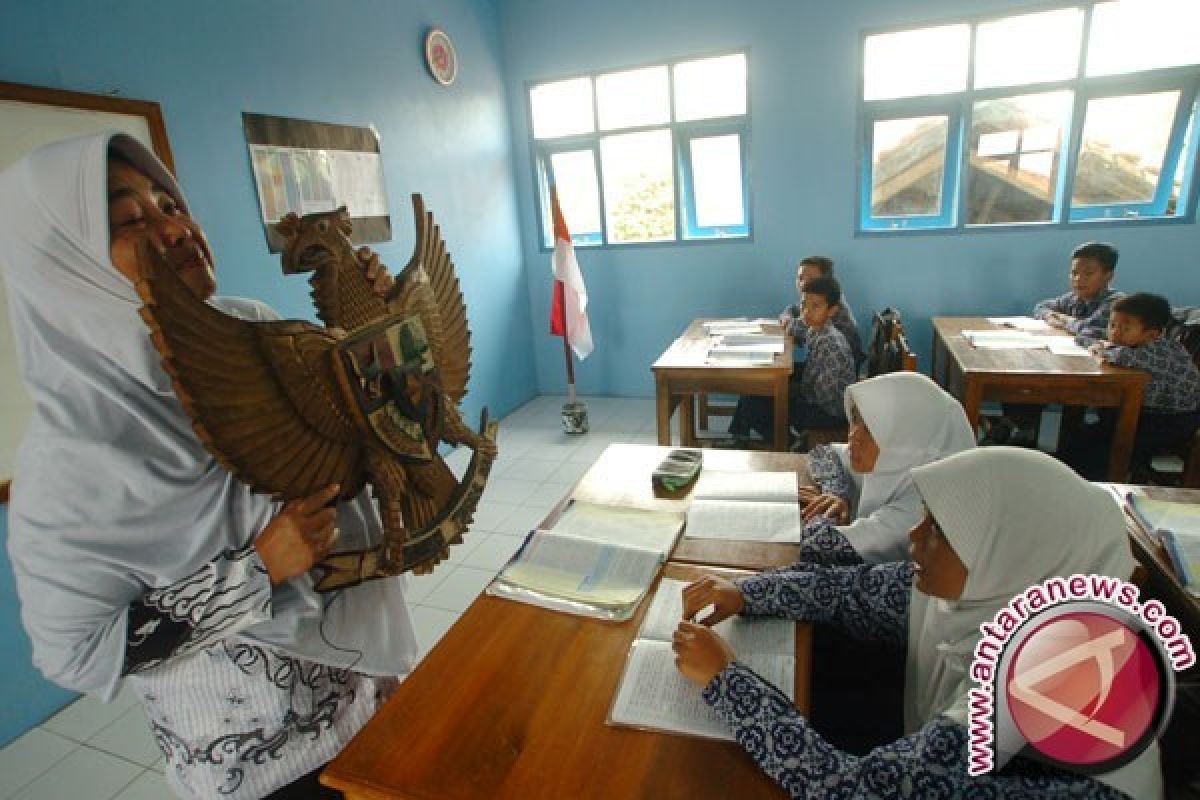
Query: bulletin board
pixel 31 116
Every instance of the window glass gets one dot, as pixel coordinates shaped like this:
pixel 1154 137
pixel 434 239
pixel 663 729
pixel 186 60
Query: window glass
pixel 578 193
pixel 912 63
pixel 639 191
pixel 633 98
pixel 562 108
pixel 717 181
pixel 1124 143
pixel 1029 48
pixel 1016 144
pixel 1143 34
pixel 908 159
pixel 710 87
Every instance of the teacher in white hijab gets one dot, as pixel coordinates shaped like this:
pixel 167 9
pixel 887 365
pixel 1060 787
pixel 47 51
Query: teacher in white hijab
pixel 137 557
pixel 999 521
pixel 898 421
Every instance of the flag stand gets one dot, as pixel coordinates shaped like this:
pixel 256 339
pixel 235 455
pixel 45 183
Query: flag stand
pixel 574 413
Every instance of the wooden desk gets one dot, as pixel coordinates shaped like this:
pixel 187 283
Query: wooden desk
pixel 621 476
pixel 681 372
pixel 1161 579
pixel 511 703
pixel 1036 376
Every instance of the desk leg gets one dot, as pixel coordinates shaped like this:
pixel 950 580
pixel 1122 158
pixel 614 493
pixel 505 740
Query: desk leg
pixel 972 402
pixel 934 360
pixel 662 410
pixel 779 431
pixel 687 421
pixel 1122 443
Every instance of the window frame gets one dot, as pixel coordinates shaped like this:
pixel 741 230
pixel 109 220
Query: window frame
pixel 960 106
pixel 685 233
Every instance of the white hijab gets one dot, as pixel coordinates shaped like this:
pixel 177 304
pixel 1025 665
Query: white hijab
pixel 112 492
pixel 1015 517
pixel 914 422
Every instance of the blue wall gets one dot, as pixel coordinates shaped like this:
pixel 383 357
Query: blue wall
pixel 358 63
pixel 26 698
pixel 804 67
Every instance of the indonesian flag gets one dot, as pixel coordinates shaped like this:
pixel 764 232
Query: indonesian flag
pixel 568 311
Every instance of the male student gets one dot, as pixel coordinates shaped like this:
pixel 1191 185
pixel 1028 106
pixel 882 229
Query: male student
pixel 809 269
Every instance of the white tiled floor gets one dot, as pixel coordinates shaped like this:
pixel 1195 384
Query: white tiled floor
pixel 105 752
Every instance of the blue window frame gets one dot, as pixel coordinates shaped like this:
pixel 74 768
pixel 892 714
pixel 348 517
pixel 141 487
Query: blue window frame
pixel 698 186
pixel 1000 165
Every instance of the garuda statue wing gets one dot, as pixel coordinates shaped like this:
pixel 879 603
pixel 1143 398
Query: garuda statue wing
pixel 428 287
pixel 263 396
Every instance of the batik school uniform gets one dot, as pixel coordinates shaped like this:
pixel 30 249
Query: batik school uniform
pixel 871 603
pixel 843 320
pixel 827 372
pixel 1089 318
pixel 815 401
pixel 914 422
pixel 1170 407
pixel 994 506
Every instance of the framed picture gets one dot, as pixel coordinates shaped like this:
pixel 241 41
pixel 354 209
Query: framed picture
pixel 31 116
pixel 440 56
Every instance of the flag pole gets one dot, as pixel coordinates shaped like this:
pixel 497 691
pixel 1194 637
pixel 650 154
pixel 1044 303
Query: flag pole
pixel 570 371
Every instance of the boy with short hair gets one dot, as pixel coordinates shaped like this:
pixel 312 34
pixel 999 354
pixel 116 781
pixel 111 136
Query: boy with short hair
pixel 1084 310
pixel 815 401
pixel 811 268
pixel 1171 404
pixel 830 367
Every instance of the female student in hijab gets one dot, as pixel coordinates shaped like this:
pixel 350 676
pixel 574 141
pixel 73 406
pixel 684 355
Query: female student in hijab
pixel 988 510
pixel 898 421
pixel 137 557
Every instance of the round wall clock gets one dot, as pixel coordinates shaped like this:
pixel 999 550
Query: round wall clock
pixel 440 56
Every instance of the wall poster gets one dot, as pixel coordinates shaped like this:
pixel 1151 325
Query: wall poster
pixel 305 166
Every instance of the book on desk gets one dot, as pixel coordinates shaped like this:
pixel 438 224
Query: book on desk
pixel 596 561
pixel 1177 528
pixel 654 695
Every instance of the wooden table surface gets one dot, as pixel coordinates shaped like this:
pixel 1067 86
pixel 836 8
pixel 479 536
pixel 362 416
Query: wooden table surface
pixel 512 701
pixel 680 373
pixel 621 477
pixel 974 375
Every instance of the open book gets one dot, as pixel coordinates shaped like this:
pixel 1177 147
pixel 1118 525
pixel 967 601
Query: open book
pixel 746 506
pixel 654 694
pixel 1177 526
pixel 595 561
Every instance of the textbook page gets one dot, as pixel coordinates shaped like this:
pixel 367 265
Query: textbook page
pixel 583 570
pixel 1031 324
pixel 780 487
pixel 1182 518
pixel 767 342
pixel 744 634
pixel 654 694
pixel 742 520
pixel 649 530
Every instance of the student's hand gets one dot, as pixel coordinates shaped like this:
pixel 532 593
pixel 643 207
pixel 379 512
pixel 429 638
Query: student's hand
pixel 721 593
pixel 381 279
pixel 1057 319
pixel 832 506
pixel 299 536
pixel 700 653
pixel 1097 349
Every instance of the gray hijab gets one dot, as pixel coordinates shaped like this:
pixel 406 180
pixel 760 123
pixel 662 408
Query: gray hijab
pixel 113 493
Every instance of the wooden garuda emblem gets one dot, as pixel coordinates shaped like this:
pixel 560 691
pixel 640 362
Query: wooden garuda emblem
pixel 291 407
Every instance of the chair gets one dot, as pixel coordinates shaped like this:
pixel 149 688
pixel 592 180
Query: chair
pixel 1184 328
